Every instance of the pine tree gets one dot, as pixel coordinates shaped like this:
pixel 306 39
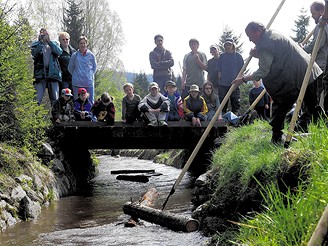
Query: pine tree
pixel 141 84
pixel 73 21
pixel 229 33
pixel 301 25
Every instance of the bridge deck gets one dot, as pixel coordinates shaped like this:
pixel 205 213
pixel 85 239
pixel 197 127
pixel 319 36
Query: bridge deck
pixel 97 135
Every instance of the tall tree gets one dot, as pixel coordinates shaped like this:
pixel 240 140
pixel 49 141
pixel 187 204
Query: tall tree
pixel 104 30
pixel 22 121
pixel 73 21
pixel 229 33
pixel 141 84
pixel 301 25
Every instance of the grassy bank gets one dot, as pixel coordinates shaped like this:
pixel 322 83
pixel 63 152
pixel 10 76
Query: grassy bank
pixel 265 194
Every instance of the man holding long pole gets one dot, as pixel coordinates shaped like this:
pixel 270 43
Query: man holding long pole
pixel 282 67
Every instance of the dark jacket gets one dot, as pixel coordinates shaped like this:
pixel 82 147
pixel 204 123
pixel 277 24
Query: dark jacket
pixel 288 67
pixel 63 61
pixel 40 72
pixel 193 107
pixel 62 107
pixel 108 112
pixel 161 62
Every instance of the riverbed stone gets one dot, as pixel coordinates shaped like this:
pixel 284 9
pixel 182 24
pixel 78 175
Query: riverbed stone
pixel 29 209
pixel 58 166
pixel 18 194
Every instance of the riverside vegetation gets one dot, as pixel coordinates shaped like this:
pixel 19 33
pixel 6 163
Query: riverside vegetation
pixel 262 194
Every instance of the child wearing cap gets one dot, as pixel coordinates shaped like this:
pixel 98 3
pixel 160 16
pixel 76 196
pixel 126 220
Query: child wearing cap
pixel 104 110
pixel 130 102
pixel 176 104
pixel 195 106
pixel 155 106
pixel 82 106
pixel 63 109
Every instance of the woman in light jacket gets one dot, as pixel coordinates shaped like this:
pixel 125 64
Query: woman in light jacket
pixel 83 67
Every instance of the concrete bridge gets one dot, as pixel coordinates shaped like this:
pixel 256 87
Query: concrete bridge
pixel 97 135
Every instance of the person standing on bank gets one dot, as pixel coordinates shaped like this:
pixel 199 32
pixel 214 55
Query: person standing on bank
pixel 64 58
pixel 282 67
pixel 194 65
pixel 47 73
pixel 317 9
pixel 83 67
pixel 229 65
pixel 212 68
pixel 161 62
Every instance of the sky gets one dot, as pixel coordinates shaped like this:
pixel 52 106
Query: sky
pixel 180 20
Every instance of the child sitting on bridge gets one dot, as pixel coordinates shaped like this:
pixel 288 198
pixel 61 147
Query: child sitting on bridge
pixel 195 106
pixel 155 106
pixel 82 106
pixel 130 102
pixel 176 105
pixel 63 109
pixel 104 110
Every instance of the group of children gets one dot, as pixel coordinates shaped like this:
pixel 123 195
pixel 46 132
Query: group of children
pixel 155 108
pixel 81 109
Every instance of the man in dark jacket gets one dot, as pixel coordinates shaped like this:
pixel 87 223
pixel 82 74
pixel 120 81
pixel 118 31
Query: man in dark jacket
pixel 47 73
pixel 161 62
pixel 282 67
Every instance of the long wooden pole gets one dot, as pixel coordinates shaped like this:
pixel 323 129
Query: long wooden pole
pixel 215 117
pixel 320 231
pixel 303 88
pixel 307 38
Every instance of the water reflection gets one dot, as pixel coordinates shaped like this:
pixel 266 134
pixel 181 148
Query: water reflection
pixel 96 217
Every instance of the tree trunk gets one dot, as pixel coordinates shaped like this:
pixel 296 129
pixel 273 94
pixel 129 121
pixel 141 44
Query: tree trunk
pixel 164 218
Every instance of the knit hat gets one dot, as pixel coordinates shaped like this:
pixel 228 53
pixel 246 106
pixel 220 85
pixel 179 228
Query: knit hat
pixel 194 88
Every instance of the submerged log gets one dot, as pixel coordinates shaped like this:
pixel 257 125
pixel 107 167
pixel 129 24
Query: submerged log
pixel 132 171
pixel 133 178
pixel 172 221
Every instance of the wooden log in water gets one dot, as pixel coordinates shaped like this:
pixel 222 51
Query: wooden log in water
pixel 133 178
pixel 132 171
pixel 172 221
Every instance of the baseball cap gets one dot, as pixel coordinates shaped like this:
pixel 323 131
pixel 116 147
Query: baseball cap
pixel 229 41
pixel 66 92
pixel 82 91
pixel 153 85
pixel 170 83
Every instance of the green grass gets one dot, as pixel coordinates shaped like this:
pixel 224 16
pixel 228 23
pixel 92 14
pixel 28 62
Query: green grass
pixel 289 218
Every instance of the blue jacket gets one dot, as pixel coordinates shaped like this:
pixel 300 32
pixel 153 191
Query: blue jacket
pixel 40 72
pixel 83 69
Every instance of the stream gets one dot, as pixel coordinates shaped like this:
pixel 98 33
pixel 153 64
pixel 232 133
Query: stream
pixel 95 217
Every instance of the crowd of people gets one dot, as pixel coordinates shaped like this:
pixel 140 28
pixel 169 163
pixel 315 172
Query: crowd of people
pixel 282 67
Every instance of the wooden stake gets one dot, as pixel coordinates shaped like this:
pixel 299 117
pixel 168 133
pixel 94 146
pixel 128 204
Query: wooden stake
pixel 303 88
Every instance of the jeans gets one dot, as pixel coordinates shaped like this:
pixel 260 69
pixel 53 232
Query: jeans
pixel 53 90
